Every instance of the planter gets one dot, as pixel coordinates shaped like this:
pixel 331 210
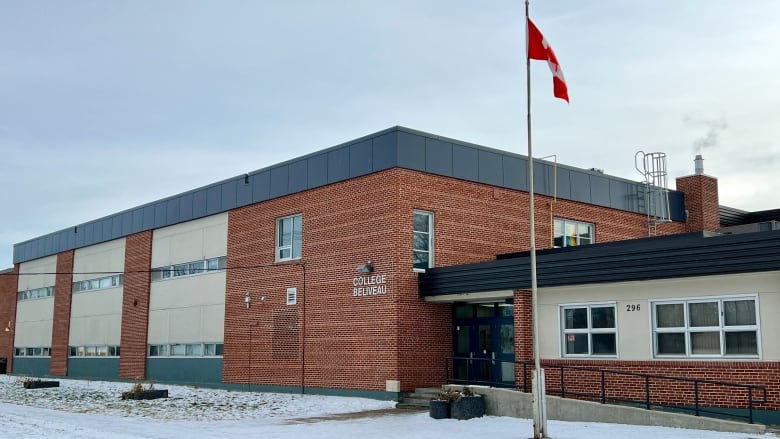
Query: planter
pixel 40 384
pixel 468 407
pixel 440 409
pixel 145 394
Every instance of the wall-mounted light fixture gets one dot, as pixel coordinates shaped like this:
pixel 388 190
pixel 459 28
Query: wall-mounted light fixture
pixel 368 267
pixel 247 300
pixel 8 328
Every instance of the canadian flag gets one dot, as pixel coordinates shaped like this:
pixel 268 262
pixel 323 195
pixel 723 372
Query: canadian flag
pixel 538 48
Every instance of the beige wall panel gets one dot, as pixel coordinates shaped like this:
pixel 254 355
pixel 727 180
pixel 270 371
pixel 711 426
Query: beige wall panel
pixel 96 318
pixel 159 322
pixel 185 325
pixel 191 241
pixel 42 265
pixel 34 322
pixel 634 327
pixel 96 303
pixel 104 257
pixel 188 291
pixel 213 323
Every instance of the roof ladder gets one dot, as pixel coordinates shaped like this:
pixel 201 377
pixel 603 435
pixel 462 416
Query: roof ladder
pixel 654 199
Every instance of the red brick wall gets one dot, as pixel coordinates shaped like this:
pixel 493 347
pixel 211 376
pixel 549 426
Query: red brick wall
pixel 8 287
pixel 670 391
pixel 135 305
pixel 701 202
pixel 63 291
pixel 359 342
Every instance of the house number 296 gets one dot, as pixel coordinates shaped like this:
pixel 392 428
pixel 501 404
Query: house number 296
pixel 636 307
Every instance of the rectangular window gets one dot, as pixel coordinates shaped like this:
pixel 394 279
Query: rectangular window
pixel 423 240
pixel 568 233
pixel 706 327
pixel 589 330
pixel 289 237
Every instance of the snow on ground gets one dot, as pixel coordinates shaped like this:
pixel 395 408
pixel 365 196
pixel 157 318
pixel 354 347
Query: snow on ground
pixel 93 409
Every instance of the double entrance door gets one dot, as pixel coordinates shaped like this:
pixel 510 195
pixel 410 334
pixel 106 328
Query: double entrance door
pixel 484 344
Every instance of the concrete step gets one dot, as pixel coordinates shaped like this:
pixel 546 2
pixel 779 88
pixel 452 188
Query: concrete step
pixel 420 398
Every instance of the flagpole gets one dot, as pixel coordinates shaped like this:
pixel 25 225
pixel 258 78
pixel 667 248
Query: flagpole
pixel 539 410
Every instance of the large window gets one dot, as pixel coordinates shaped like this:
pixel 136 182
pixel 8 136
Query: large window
pixel 423 240
pixel 568 233
pixel 38 293
pixel 189 268
pixel 589 330
pixel 98 283
pixel 706 327
pixel 288 238
pixel 186 350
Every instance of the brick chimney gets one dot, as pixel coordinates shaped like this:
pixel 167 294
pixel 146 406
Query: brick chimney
pixel 701 199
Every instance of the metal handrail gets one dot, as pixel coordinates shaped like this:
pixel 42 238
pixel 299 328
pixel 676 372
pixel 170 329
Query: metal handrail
pixel 602 396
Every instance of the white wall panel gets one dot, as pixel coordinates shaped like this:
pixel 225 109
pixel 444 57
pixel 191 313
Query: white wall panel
pixel 28 281
pixel 104 257
pixel 34 322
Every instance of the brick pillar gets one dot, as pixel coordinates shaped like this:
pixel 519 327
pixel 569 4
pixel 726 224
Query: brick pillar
pixel 701 202
pixel 135 305
pixel 8 287
pixel 60 334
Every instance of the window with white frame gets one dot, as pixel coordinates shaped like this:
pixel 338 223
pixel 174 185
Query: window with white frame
pixel 589 330
pixel 719 327
pixel 423 240
pixel 288 237
pixel 186 350
pixel 568 233
pixel 190 268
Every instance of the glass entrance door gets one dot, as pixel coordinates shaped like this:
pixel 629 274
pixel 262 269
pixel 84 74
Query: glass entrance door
pixel 484 348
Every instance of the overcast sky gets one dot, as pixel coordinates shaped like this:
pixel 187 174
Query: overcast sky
pixel 106 105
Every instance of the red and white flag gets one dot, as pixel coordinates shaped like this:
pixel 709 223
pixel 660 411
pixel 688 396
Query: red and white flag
pixel 538 48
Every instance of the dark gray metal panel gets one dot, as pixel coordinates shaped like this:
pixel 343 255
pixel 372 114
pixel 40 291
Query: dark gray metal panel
pixel 465 163
pixel 543 178
pixel 490 171
pixel 229 196
pixel 563 188
pixel 515 172
pixel 116 230
pixel 599 190
pixel 127 223
pixel 172 211
pixel 360 160
pixel 385 151
pixel 185 370
pixel 677 205
pixel 160 214
pixel 411 151
pixel 200 203
pixel 138 220
pixel 148 217
pixel 580 186
pixel 97 232
pixel 244 191
pixel 48 245
pixel 93 368
pixel 438 157
pixel 108 228
pixel 71 234
pixel 63 239
pixel 299 176
pixel 280 181
pixel 621 196
pixel 261 186
pixel 32 366
pixel 317 170
pixel 338 164
pixel 213 200
pixel 185 207
pixel 81 235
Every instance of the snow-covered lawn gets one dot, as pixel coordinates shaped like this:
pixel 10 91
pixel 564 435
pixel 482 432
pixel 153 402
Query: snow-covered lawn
pixel 93 409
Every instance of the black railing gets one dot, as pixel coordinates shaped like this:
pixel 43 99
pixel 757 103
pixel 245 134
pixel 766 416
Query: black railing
pixel 474 370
